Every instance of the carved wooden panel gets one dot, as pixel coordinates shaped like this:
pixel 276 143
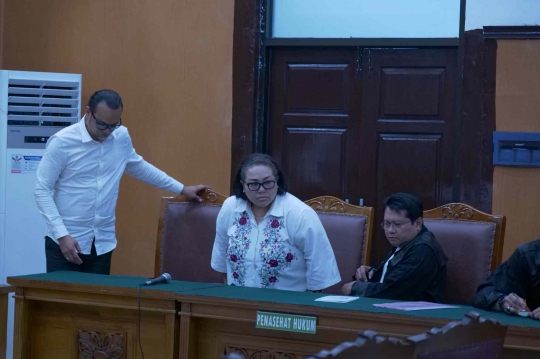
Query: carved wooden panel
pixel 461 211
pixel 331 204
pixel 327 204
pixel 210 196
pixel 94 345
pixel 457 211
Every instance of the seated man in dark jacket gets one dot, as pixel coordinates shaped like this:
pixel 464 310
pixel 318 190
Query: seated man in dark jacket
pixel 515 284
pixel 415 269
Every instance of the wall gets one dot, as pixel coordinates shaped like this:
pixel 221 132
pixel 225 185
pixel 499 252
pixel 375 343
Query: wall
pixel 171 60
pixel 365 18
pixel 480 13
pixel 516 191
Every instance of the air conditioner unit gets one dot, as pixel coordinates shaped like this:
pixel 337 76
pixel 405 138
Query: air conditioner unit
pixel 33 107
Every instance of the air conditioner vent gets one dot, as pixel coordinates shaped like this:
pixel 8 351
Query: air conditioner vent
pixel 36 100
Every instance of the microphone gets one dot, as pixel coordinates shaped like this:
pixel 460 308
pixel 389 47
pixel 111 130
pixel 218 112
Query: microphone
pixel 164 278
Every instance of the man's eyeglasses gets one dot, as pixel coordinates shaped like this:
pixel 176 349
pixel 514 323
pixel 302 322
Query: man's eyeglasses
pixel 103 126
pixel 254 186
pixel 387 225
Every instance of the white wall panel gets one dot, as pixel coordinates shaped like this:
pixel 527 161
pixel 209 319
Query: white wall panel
pixel 366 18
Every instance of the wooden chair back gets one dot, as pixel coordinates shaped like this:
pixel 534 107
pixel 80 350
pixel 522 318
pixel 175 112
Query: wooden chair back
pixel 349 230
pixel 186 233
pixel 473 337
pixel 369 345
pixel 473 242
pixel 185 237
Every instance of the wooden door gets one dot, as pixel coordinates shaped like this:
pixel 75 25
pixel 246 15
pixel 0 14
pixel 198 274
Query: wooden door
pixel 360 124
pixel 314 118
pixel 407 139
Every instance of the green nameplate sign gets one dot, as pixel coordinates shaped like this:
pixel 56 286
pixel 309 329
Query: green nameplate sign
pixel 287 322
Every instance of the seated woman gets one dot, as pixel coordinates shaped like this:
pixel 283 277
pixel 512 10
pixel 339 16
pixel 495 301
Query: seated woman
pixel 267 238
pixel 514 287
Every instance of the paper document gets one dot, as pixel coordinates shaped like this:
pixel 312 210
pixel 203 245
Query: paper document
pixel 336 299
pixel 414 305
pixel 524 314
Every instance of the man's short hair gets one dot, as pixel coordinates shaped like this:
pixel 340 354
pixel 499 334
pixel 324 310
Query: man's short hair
pixel 111 98
pixel 408 202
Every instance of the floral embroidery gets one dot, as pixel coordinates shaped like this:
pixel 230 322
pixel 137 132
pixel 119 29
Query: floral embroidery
pixel 274 253
pixel 238 247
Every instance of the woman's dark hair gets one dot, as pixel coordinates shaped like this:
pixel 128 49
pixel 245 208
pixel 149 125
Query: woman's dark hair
pixel 258 159
pixel 405 201
pixel 110 97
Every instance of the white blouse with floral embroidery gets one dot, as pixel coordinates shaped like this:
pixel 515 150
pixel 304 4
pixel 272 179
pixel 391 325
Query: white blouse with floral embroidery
pixel 288 249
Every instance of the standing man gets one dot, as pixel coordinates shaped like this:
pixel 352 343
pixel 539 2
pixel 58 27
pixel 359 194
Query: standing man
pixel 77 186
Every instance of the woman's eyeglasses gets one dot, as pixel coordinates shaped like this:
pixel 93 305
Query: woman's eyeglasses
pixel 254 186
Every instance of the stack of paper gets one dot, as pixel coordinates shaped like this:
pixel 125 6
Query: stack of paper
pixel 414 305
pixel 336 299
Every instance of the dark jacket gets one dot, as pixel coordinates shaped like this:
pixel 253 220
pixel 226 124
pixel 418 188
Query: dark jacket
pixel 520 274
pixel 416 273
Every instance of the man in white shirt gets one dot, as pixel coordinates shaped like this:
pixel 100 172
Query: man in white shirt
pixel 77 186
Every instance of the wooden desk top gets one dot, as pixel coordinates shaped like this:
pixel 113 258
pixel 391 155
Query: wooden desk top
pixel 207 300
pixel 5 288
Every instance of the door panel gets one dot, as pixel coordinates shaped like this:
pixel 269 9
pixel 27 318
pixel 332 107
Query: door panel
pixel 316 89
pixel 411 93
pixel 325 171
pixel 407 128
pixel 420 165
pixel 310 118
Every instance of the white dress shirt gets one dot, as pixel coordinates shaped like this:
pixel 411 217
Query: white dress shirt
pixel 78 180
pixel 385 268
pixel 288 249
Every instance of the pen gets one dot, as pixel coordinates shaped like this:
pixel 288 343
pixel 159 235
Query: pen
pixel 370 269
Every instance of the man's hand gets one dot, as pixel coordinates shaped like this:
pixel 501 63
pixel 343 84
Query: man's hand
pixel 69 247
pixel 347 288
pixel 535 314
pixel 364 273
pixel 191 191
pixel 512 304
